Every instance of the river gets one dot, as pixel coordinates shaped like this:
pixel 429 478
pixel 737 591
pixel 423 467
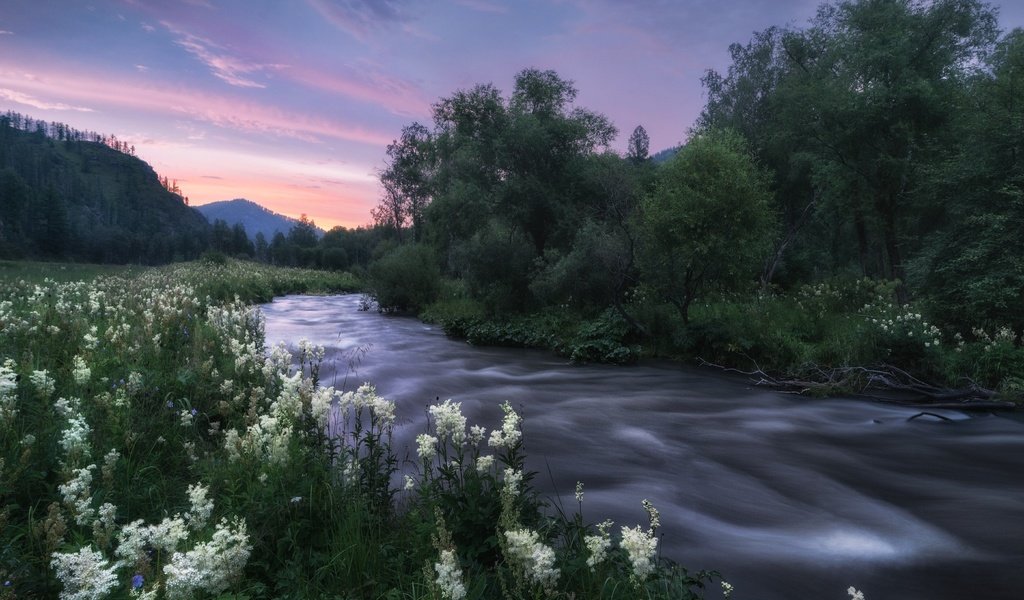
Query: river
pixel 788 497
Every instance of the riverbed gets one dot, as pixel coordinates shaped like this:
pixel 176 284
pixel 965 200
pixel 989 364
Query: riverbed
pixel 788 497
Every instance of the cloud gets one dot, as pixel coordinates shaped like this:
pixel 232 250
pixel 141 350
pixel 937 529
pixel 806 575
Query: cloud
pixel 141 68
pixel 28 100
pixel 360 17
pixel 230 69
pixel 5 32
pixel 148 28
pixel 228 112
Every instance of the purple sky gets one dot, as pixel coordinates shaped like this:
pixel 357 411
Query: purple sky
pixel 291 104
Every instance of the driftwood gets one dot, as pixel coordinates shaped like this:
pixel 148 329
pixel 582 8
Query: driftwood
pixel 884 383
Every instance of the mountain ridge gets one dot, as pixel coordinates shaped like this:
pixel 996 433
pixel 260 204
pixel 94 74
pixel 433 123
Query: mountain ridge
pixel 254 216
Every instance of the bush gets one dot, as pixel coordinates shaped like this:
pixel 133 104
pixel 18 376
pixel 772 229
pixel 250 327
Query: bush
pixel 406 278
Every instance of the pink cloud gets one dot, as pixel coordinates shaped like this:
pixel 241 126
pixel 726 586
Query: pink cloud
pixel 223 111
pixel 229 69
pixel 372 87
pixel 27 100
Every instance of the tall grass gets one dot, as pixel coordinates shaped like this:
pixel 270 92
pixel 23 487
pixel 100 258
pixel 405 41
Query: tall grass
pixel 152 447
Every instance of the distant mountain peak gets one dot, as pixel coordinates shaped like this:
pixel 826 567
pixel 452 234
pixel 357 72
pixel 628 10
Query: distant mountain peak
pixel 255 217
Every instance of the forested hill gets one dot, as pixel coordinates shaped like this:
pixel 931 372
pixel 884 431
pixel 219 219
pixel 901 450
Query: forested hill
pixel 65 195
pixel 254 217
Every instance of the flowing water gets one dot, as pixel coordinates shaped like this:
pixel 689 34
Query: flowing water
pixel 788 497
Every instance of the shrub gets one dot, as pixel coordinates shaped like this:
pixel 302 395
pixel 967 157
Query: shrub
pixel 406 278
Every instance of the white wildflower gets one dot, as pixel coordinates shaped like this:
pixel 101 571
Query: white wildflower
pixel 168 534
pixel 210 566
pixel 80 372
pixel 201 506
pixel 43 383
pixel 449 576
pixel 410 483
pixel 535 560
pixel 513 479
pixel 726 589
pixel 579 491
pixel 426 446
pixel 476 434
pixel 449 421
pixel 320 405
pixel 652 514
pixel 598 545
pixel 77 494
pixel 509 434
pixel 484 463
pixel 639 546
pixel 85 575
pixel 855 594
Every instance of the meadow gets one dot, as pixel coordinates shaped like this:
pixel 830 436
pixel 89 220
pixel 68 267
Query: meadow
pixel 153 447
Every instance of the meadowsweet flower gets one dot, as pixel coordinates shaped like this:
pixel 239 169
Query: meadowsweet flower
pixel 81 372
pixel 476 434
pixel 109 465
pixel 168 534
pixel 201 507
pixel 509 433
pixel 652 514
pixel 535 560
pixel 209 566
pixel 426 446
pixel 855 594
pixel 579 491
pixel 726 589
pixel 639 546
pixel 43 383
pixel 85 575
pixel 598 545
pixel 513 479
pixel 484 463
pixel 410 483
pixel 8 385
pixel 103 527
pixel 449 576
pixel 449 421
pixel 320 405
pixel 77 494
pixel 185 417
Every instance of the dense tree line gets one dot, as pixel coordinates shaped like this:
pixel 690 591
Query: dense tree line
pixel 881 140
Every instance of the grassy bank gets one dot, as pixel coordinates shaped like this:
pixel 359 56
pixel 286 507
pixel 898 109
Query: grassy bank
pixel 802 334
pixel 152 447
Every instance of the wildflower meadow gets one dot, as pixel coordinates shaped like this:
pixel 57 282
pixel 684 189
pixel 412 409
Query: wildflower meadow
pixel 151 446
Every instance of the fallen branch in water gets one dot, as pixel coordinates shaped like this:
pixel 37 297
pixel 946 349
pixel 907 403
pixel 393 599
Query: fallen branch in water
pixel 865 381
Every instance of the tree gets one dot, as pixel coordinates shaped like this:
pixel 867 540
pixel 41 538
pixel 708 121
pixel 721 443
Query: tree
pixel 873 82
pixel 708 223
pixel 639 145
pixel 303 234
pixel 406 181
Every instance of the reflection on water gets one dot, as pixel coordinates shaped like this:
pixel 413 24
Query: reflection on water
pixel 788 497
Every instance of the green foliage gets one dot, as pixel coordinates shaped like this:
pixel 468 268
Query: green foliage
pixel 405 279
pixel 708 223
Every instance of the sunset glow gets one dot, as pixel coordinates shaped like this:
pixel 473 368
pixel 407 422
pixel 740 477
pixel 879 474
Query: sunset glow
pixel 292 105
